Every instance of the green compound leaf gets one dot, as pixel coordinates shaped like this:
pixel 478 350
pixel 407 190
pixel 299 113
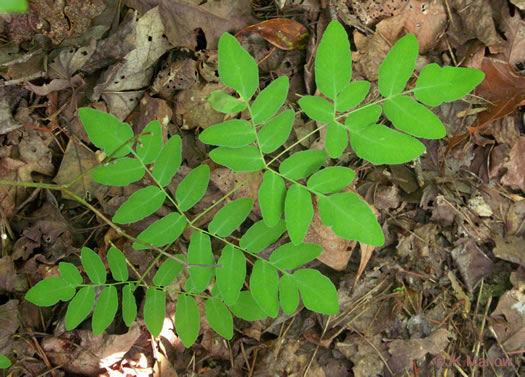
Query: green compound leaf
pixel 162 232
pixel 149 146
pixel 352 95
pixel 246 308
pixel 317 291
pixel 237 69
pixel 187 321
pixel 120 172
pixel 193 187
pixel 49 291
pixel 317 108
pixel 199 252
pixel 270 100
pixel 288 294
pixel 106 132
pixel 105 310
pixel 93 265
pixel 302 164
pixel 79 308
pixel 140 204
pixel 336 140
pixel 224 103
pixel 117 264
pixel 168 271
pixel 436 85
pixel 129 305
pixel 271 197
pixel 290 256
pixel 168 161
pixel 351 218
pixel 12 6
pixel 331 179
pixel 333 63
pixel 264 285
pixel 363 117
pixel 219 318
pixel 398 66
pixel 230 277
pixel 260 236
pixel 154 310
pixel 233 133
pixel 230 217
pixel 70 273
pixel 413 118
pixel 381 145
pixel 276 131
pixel 298 212
pixel 238 159
pixel 4 361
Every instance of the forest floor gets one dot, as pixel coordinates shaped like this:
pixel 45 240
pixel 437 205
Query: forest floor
pixel 445 295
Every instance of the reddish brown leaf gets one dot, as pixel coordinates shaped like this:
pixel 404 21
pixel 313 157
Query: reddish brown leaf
pixel 503 88
pixel 281 32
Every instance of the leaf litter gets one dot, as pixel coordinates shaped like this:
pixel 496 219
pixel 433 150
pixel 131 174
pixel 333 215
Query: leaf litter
pixel 449 278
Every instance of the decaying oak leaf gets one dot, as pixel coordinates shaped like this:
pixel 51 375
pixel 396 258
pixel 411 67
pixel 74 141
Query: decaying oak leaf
pixel 280 32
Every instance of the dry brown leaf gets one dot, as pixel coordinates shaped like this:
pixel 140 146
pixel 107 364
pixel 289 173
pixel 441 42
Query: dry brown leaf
pixel 77 160
pixel 123 84
pixel 183 20
pixel 405 351
pixel 282 33
pixel 472 263
pixel 515 175
pixel 92 353
pixel 510 249
pixel 336 251
pixel 509 316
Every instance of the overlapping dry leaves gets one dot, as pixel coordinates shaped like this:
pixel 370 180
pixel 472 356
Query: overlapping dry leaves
pixel 449 284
